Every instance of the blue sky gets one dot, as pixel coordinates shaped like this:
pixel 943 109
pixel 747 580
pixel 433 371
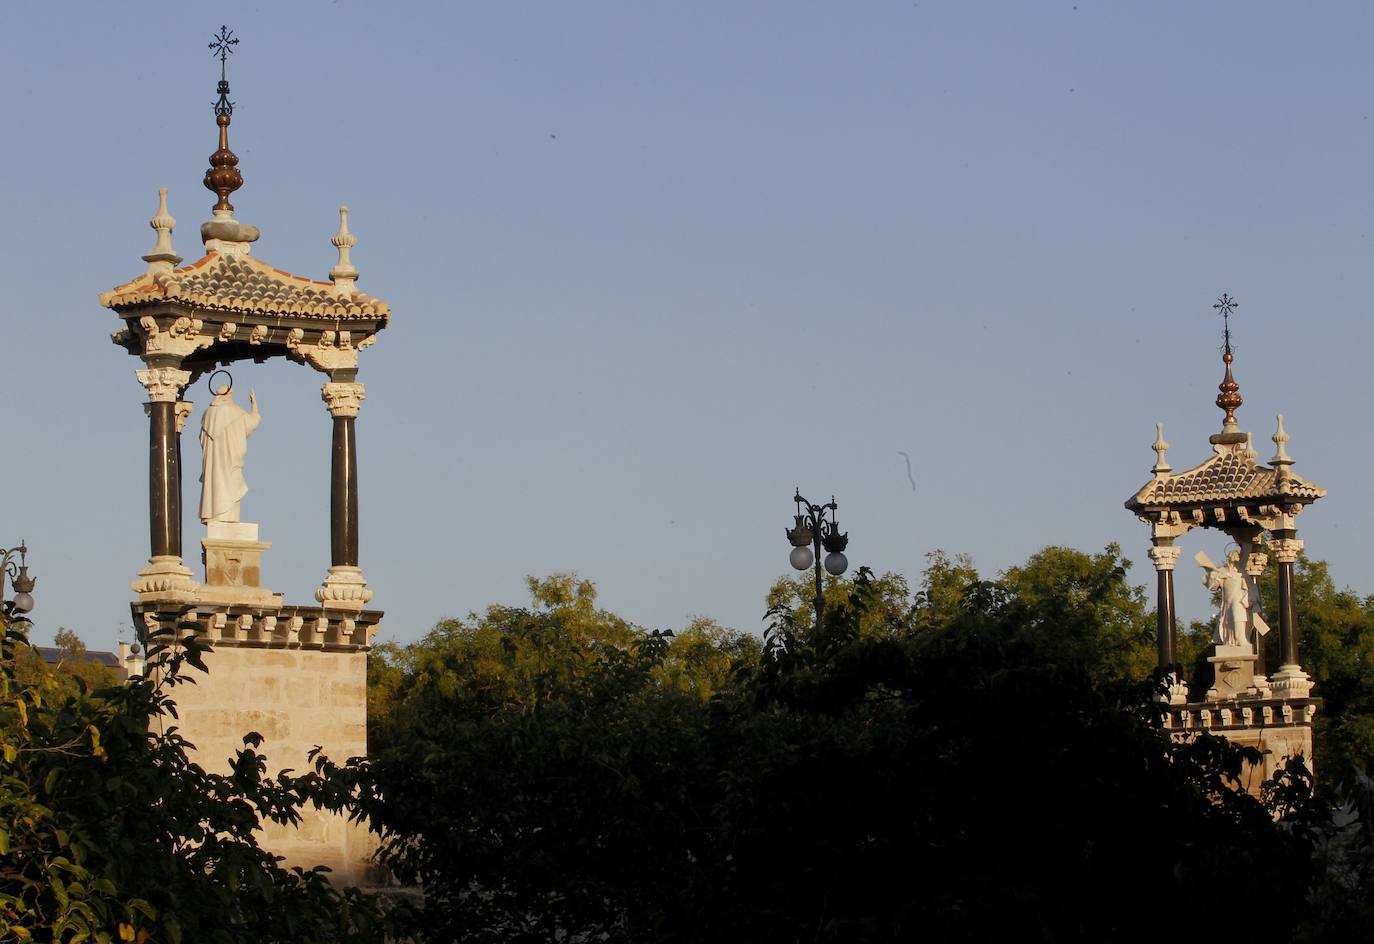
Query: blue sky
pixel 652 265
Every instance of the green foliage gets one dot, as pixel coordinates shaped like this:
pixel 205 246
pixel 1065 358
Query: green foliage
pixel 109 832
pixel 978 761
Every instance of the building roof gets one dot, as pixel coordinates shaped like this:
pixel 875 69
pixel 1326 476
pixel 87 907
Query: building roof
pixel 1232 475
pixel 53 655
pixel 237 283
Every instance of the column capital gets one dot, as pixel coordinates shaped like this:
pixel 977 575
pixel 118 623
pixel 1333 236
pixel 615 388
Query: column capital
pixel 164 384
pixel 342 399
pixel 1286 549
pixel 1165 556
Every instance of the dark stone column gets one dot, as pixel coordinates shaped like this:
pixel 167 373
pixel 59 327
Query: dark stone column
pixel 343 399
pixel 164 480
pixel 1288 623
pixel 1165 630
pixel 343 495
pixel 1165 555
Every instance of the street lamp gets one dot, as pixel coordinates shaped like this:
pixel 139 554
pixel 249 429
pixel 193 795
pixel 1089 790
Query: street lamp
pixel 812 531
pixel 19 577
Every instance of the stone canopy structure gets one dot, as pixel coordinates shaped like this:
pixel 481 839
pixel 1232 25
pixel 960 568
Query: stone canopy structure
pixel 1256 507
pixel 294 673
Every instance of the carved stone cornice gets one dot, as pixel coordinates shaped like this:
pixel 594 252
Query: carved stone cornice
pixel 164 384
pixel 269 626
pixel 342 399
pixel 1165 556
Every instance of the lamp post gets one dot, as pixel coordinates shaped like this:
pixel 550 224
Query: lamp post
pixel 19 577
pixel 811 532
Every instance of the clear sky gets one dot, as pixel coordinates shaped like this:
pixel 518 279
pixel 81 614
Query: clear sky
pixel 652 265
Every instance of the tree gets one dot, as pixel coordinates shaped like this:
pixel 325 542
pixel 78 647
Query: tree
pixel 976 761
pixel 108 831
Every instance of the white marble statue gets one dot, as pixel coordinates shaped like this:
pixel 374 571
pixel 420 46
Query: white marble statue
pixel 224 431
pixel 1233 622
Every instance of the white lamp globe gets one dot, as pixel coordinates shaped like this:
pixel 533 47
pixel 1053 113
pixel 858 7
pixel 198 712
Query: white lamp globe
pixel 836 563
pixel 23 602
pixel 801 558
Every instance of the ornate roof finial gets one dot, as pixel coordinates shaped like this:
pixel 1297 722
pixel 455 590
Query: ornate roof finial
pixel 162 258
pixel 1229 397
pixel 223 177
pixel 1162 467
pixel 344 275
pixel 1282 460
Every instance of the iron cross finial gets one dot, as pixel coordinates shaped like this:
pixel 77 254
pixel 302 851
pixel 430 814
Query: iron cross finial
pixel 1226 306
pixel 220 45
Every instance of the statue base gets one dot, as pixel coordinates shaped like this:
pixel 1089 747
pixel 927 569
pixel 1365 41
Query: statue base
pixel 232 555
pixel 1234 668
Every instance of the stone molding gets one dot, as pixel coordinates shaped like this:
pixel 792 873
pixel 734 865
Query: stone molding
pixel 343 399
pixel 1165 556
pixel 164 384
pixel 264 627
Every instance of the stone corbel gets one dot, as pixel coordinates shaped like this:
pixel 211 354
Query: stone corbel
pixel 1255 563
pixel 1169 525
pixel 181 338
pixel 342 399
pixel 334 350
pixel 227 331
pixel 164 384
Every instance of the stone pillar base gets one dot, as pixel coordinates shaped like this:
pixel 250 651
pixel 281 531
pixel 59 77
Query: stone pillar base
pixel 343 589
pixel 232 555
pixel 1291 682
pixel 165 578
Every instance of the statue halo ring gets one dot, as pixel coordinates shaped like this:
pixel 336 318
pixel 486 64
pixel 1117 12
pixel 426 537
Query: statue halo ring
pixel 212 381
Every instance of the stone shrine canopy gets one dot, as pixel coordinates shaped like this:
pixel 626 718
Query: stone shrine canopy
pixel 1231 481
pixel 1256 506
pixel 242 285
pixel 229 306
pixel 183 323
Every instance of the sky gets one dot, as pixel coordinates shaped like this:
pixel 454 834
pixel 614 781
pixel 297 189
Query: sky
pixel 654 265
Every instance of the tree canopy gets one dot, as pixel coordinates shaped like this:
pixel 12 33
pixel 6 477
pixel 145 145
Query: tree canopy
pixel 977 760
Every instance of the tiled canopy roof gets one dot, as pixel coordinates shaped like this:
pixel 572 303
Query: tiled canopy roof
pixel 1228 476
pixel 241 284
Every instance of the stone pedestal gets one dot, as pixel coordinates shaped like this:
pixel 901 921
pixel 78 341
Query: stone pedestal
pixel 296 675
pixel 1279 728
pixel 1234 668
pixel 232 555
